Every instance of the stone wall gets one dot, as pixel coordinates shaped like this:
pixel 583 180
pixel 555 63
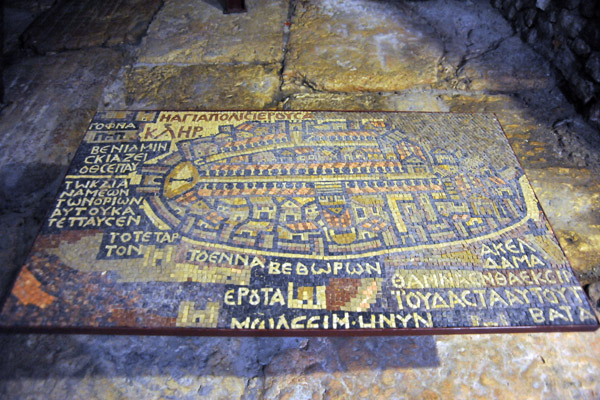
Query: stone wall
pixel 567 32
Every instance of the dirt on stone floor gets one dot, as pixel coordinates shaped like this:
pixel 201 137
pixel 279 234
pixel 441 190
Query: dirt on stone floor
pixel 66 58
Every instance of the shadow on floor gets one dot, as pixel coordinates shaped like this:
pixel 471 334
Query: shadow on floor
pixel 76 356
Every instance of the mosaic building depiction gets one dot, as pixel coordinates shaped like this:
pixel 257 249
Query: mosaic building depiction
pixel 296 222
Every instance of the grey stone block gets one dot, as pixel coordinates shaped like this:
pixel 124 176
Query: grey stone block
pixel 542 4
pixel 590 9
pixel 582 88
pixel 570 23
pixel 580 47
pixel 591 34
pixel 572 4
pixel 592 66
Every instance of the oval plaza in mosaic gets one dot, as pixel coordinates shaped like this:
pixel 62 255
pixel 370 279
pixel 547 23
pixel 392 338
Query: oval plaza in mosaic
pixel 295 222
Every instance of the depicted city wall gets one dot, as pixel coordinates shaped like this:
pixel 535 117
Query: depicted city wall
pixel 296 222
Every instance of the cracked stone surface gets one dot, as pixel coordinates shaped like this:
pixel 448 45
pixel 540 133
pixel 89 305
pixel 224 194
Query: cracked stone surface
pixel 479 367
pixel 35 129
pixel 481 52
pixel 360 46
pixel 574 193
pixel 505 67
pixel 18 15
pixel 197 32
pixel 40 136
pixel 407 101
pixel 437 55
pixel 201 87
pixel 78 24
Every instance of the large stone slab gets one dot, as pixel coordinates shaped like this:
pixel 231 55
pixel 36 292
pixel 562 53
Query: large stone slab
pixel 508 67
pixel 481 52
pixel 80 24
pixel 557 365
pixel 360 45
pixel 18 15
pixel 187 32
pixel 420 101
pixel 468 29
pixel 293 223
pixel 52 99
pixel 533 366
pixel 572 196
pixel 199 87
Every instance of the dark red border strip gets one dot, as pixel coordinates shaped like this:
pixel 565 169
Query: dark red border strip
pixel 175 331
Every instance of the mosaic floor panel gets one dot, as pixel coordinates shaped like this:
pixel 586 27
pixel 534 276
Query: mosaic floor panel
pixel 295 223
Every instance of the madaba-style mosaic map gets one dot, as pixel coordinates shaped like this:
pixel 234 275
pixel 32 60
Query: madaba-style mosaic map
pixel 296 222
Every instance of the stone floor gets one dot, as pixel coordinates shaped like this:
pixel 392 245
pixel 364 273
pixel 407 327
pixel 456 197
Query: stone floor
pixel 66 61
